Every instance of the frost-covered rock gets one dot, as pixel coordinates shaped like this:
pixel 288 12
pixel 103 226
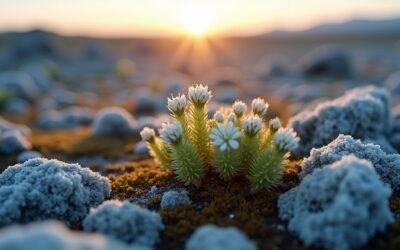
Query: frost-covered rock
pixel 393 83
pixel 53 235
pixel 33 44
pixel 172 199
pixel 175 83
pixel 363 113
pixel 40 76
pixel 148 198
pixel 13 142
pixel 383 143
pixel 327 61
pixel 227 95
pixel 148 121
pixel 16 106
pixel 41 189
pixel 339 206
pixel 64 98
pixel 146 102
pixel 395 133
pixel 114 121
pixel 142 149
pixel 126 222
pixel 46 105
pixel 27 155
pixel 9 126
pixel 19 84
pixel 70 118
pixel 386 165
pixel 211 237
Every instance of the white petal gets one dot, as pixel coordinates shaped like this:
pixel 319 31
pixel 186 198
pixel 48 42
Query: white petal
pixel 218 142
pixel 236 135
pixel 234 144
pixel 223 147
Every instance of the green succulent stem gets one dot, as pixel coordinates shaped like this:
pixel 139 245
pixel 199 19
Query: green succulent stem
pixel 239 121
pixel 226 163
pixel 184 123
pixel 186 162
pixel 159 150
pixel 249 147
pixel 267 168
pixel 199 132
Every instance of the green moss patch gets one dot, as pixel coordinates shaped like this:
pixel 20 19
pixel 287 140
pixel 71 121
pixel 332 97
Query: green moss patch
pixel 79 142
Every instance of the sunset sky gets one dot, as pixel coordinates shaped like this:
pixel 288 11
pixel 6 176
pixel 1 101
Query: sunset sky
pixel 168 17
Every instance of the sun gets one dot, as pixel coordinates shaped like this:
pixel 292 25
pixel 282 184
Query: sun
pixel 197 20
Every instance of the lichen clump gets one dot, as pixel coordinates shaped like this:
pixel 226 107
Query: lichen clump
pixel 386 165
pixel 42 189
pixel 56 236
pixel 339 206
pixel 231 143
pixel 363 113
pixel 126 222
pixel 216 238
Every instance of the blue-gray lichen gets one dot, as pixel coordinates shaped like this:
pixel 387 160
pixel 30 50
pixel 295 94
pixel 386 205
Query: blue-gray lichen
pixel 386 165
pixel 52 235
pixel 125 221
pixel 8 126
pixel 70 118
pixel 211 237
pixel 339 206
pixel 13 142
pixel 41 189
pixel 114 121
pixel 363 113
pixel 172 199
pixel 27 155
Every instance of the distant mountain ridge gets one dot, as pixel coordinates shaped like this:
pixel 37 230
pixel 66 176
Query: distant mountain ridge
pixel 355 27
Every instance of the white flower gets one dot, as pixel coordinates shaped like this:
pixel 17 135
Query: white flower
pixel 259 106
pixel 199 95
pixel 275 124
pixel 252 125
pixel 177 104
pixel 171 132
pixel 239 108
pixel 232 118
pixel 225 137
pixel 286 139
pixel 219 117
pixel 147 134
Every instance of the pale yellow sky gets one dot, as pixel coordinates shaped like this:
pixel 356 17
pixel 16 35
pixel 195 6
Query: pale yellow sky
pixel 165 17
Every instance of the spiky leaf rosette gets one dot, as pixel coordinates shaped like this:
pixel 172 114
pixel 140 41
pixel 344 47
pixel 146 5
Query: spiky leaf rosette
pixel 266 170
pixel 184 123
pixel 177 107
pixel 199 131
pixel 250 139
pixel 226 155
pixel 226 163
pixel 274 125
pixel 249 147
pixel 186 162
pixel 160 151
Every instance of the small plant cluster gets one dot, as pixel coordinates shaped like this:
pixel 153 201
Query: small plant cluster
pixel 232 142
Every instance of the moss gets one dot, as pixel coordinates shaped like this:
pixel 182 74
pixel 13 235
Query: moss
pixel 109 147
pixel 214 201
pixel 231 204
pixel 136 178
pixel 26 118
pixel 79 142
